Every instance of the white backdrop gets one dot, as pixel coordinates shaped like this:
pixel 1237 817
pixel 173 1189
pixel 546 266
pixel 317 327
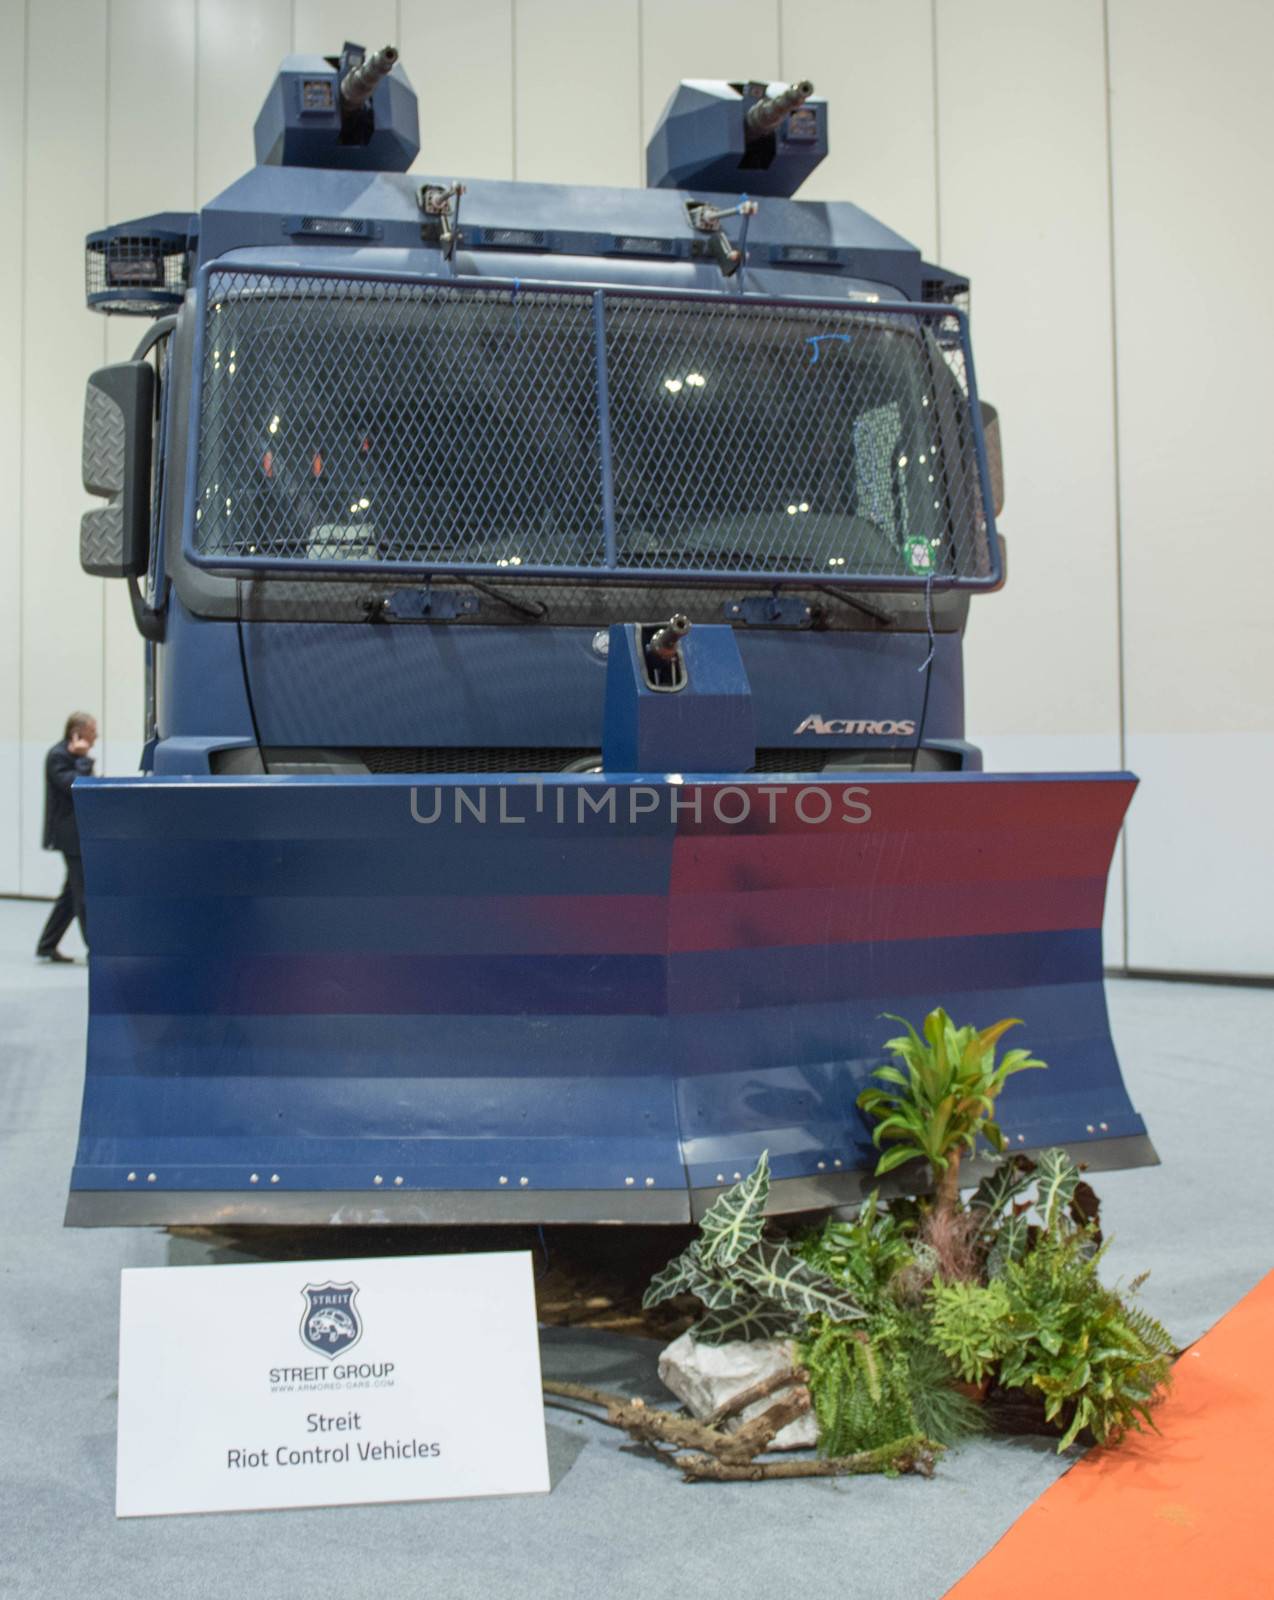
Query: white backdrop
pixel 1099 170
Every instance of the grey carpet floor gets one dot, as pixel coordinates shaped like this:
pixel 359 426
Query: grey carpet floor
pixel 615 1525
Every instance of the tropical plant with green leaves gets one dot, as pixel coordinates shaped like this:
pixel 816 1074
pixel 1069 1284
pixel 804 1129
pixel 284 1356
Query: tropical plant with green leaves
pixel 938 1095
pixel 867 1254
pixel 751 1285
pixel 1047 1323
pixel 1020 1198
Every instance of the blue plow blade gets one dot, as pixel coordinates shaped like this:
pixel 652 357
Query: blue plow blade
pixel 576 998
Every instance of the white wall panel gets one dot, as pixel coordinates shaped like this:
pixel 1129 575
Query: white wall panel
pixel 703 39
pixel 576 103
pixel 240 45
pixel 1191 123
pixel 875 64
pixel 460 62
pixel 321 27
pixel 65 166
pixel 1200 863
pixel 1023 210
pixel 12 275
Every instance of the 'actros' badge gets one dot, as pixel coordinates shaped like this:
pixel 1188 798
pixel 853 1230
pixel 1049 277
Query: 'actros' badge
pixel 330 1324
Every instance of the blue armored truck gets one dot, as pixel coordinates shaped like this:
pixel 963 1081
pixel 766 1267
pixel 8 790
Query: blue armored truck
pixel 555 764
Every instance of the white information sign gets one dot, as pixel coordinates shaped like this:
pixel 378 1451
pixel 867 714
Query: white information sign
pixel 320 1383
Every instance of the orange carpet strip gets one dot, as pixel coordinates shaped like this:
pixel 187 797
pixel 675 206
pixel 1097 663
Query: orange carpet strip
pixel 1186 1512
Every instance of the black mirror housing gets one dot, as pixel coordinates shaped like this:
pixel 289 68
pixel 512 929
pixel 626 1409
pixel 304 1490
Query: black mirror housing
pixel 118 421
pixel 994 454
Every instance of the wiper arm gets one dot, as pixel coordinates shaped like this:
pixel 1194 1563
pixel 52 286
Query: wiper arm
pixel 867 607
pixel 428 604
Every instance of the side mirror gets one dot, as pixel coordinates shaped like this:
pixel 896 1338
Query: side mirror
pixel 994 453
pixel 118 422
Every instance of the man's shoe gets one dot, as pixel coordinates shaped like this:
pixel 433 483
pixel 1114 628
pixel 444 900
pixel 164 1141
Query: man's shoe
pixel 55 958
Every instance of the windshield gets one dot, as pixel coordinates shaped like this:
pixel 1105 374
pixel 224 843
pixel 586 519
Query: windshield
pixel 467 428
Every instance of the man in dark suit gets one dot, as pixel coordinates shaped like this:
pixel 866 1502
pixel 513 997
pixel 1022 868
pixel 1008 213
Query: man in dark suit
pixel 63 764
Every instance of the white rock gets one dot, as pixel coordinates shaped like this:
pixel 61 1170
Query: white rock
pixel 703 1376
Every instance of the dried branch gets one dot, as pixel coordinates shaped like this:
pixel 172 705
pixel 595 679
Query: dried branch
pixel 757 1391
pixel 728 1457
pixel 906 1455
pixel 755 1436
pixel 646 1424
pixel 649 1425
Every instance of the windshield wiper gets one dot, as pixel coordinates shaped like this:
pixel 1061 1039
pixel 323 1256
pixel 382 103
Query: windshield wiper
pixel 427 604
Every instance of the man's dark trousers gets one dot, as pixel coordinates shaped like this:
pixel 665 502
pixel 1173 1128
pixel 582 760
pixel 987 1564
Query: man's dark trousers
pixel 61 769
pixel 70 903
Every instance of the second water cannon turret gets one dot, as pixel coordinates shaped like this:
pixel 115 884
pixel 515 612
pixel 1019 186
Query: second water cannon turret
pixel 356 111
pixel 741 136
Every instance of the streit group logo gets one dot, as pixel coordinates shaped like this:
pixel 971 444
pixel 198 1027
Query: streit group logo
pixel 330 1324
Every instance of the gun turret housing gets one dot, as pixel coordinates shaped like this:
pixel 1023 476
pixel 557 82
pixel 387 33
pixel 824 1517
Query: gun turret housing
pixel 745 136
pixel 354 111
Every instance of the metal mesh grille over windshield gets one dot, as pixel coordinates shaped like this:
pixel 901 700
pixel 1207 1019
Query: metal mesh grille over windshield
pixel 452 426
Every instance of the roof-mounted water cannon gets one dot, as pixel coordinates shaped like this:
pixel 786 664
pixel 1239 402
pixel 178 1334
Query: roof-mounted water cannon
pixel 355 111
pixel 765 115
pixel 360 79
pixel 758 138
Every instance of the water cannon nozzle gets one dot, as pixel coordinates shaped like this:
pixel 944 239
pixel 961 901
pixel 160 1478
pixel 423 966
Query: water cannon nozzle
pixel 665 644
pixel 360 82
pixel 764 115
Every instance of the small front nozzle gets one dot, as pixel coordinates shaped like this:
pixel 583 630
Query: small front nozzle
pixel 360 82
pixel 665 644
pixel 763 116
pixel 662 660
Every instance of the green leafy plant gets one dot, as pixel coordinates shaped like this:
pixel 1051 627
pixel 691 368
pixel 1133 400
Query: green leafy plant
pixel 751 1286
pixel 861 1389
pixel 938 1095
pixel 866 1254
pixel 882 1381
pixel 1050 1189
pixel 1047 1323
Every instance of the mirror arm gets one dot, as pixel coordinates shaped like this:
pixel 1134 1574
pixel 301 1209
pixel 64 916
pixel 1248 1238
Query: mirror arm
pixel 150 623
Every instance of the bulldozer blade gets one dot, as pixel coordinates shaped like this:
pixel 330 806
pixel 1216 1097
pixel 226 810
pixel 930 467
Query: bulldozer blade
pixel 383 999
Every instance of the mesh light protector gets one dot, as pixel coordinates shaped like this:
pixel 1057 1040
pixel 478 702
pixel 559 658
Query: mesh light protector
pixel 454 426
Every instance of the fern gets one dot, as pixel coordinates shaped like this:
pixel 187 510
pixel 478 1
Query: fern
pixel 861 1390
pixel 1047 1323
pixel 868 1383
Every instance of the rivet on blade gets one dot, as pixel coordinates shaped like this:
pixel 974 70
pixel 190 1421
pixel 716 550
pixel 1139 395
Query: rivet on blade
pixel 504 1180
pixel 822 1166
pixel 255 1178
pixel 150 1177
pixel 378 1179
pixel 627 1181
pixel 650 1183
pixel 132 1177
pixel 1091 1129
pixel 1104 1127
pixel 398 1181
pixel 274 1177
pixel 524 1181
pixel 838 1162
